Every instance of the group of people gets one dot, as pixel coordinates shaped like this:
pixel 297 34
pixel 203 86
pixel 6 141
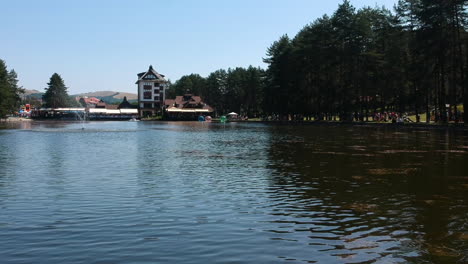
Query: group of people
pixel 393 117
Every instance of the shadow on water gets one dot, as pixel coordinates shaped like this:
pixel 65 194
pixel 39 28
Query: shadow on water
pixel 369 194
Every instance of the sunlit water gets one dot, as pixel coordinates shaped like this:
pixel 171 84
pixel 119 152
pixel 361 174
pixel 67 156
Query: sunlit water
pixel 141 192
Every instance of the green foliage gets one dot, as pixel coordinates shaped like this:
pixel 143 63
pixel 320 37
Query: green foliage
pixel 188 84
pixel 278 77
pixel 56 94
pixel 72 102
pixel 356 61
pixel 238 90
pixel 371 60
pixel 9 91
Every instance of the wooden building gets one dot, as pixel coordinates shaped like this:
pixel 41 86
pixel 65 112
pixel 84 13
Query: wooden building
pixel 186 107
pixel 151 92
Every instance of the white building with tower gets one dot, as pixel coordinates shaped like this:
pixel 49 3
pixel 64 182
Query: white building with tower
pixel 151 92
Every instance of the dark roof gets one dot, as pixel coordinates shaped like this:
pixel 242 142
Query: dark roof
pixel 125 104
pixel 159 76
pixel 187 101
pixel 101 104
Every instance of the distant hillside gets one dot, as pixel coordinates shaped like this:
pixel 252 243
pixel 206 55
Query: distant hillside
pixel 110 96
pixel 29 92
pixel 32 94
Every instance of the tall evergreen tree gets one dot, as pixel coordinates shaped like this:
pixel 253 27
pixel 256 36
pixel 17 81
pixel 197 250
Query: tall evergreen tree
pixel 276 94
pixel 15 89
pixel 215 91
pixel 56 94
pixel 9 91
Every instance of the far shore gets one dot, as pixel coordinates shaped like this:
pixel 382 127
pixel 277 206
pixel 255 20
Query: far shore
pixel 421 125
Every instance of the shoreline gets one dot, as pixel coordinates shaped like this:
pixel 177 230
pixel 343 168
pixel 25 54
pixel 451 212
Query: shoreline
pixel 421 125
pixel 15 119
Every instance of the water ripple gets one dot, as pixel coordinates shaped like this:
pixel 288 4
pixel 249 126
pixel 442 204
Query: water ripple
pixel 240 193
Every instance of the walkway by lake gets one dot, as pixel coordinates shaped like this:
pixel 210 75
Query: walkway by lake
pixel 190 192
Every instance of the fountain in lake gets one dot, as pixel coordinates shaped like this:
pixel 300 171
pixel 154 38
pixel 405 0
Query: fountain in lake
pixel 81 117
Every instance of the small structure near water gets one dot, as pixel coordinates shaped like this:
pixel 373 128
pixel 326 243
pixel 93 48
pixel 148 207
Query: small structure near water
pixel 186 107
pixel 89 113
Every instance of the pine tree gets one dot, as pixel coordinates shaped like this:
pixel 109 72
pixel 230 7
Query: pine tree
pixel 278 77
pixel 9 90
pixel 56 94
pixel 15 89
pixel 4 89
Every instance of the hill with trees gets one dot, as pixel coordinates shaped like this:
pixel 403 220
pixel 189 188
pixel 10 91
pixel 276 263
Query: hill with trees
pixel 110 97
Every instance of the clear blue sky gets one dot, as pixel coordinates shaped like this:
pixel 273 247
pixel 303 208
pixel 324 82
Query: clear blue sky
pixel 102 44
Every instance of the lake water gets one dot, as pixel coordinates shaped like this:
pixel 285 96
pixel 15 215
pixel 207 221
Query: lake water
pixel 142 192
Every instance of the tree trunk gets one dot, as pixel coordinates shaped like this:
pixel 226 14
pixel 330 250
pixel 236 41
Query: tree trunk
pixel 465 90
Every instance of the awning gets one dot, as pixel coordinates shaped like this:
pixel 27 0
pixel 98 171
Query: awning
pixel 98 110
pixel 113 111
pixel 69 109
pixel 129 111
pixel 178 110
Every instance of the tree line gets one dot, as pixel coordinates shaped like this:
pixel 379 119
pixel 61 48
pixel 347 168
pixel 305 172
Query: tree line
pixel 55 95
pixel 239 90
pixel 354 64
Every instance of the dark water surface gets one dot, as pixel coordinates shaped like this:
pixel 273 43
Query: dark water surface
pixel 138 192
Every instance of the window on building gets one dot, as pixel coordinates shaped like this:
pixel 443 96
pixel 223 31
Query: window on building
pixel 156 91
pixel 147 87
pixel 147 105
pixel 156 84
pixel 147 95
pixel 150 76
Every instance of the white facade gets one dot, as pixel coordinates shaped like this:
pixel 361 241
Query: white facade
pixel 151 92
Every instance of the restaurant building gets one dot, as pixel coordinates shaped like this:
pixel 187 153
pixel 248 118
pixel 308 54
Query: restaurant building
pixel 186 107
pixel 99 111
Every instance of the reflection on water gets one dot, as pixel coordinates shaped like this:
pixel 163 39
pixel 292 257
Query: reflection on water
pixel 235 193
pixel 377 195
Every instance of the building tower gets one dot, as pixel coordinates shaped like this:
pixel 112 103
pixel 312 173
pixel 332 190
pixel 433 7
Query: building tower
pixel 151 92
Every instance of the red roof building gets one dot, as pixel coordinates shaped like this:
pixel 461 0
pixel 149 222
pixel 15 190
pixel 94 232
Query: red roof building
pixel 88 101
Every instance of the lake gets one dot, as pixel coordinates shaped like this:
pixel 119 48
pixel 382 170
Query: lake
pixel 189 192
